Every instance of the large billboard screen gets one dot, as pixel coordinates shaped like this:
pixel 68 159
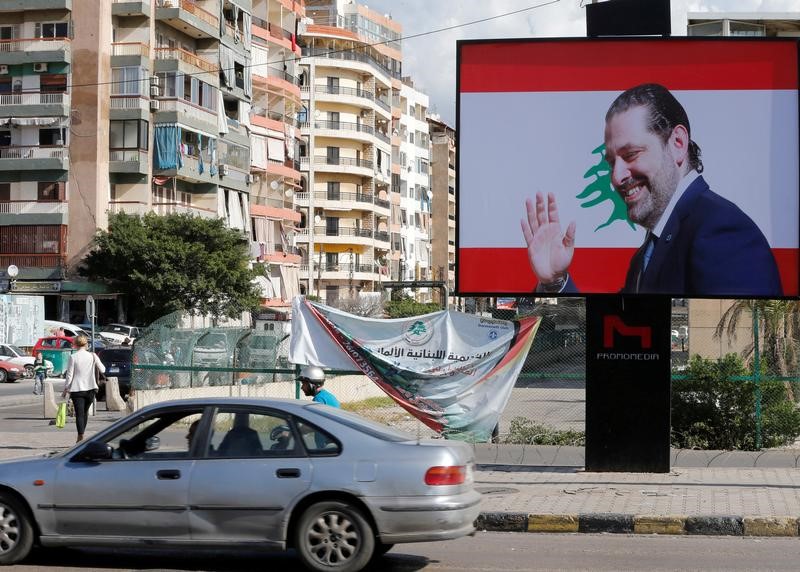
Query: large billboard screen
pixel 651 166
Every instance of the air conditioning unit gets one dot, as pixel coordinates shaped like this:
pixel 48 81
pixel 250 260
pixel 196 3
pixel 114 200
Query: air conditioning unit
pixel 3 70
pixel 154 106
pixel 155 81
pixel 40 67
pixel 249 179
pixel 155 91
pixel 223 170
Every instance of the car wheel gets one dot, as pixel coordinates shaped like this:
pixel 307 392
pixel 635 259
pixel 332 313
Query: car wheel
pixel 334 536
pixel 28 371
pixel 16 532
pixel 4 376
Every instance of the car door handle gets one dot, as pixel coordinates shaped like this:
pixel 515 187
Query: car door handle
pixel 168 475
pixel 287 473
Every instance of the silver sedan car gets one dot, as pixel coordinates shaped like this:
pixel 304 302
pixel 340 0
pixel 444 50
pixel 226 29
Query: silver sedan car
pixel 263 474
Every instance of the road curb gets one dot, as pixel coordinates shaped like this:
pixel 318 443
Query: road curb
pixel 615 523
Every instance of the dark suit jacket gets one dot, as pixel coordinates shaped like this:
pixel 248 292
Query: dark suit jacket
pixel 709 247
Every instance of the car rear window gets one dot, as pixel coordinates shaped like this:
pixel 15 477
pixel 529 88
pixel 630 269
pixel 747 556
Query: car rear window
pixel 362 424
pixel 116 355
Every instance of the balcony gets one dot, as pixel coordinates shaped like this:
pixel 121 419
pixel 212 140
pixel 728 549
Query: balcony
pixel 34 50
pixel 182 56
pixel 187 17
pixel 340 200
pixel 34 158
pixel 343 271
pixel 128 54
pixel 350 165
pixel 179 110
pixel 33 212
pixel 279 253
pixel 32 260
pixel 36 104
pixel 340 235
pixel 128 161
pixel 178 208
pixel 131 8
pixel 129 103
pixel 129 207
pixel 373 65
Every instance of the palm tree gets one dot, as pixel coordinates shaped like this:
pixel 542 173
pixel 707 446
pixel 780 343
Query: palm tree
pixel 778 328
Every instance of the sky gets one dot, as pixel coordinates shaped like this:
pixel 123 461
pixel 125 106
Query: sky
pixel 430 59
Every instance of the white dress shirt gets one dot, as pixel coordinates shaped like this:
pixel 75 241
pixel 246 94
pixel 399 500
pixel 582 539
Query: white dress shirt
pixel 80 371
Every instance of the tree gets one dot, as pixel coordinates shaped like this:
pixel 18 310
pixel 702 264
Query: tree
pixel 175 262
pixel 407 306
pixel 778 327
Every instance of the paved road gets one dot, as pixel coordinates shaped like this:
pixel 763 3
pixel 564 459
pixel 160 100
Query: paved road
pixel 489 551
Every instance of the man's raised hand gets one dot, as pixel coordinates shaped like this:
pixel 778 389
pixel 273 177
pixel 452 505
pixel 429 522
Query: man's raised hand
pixel 549 252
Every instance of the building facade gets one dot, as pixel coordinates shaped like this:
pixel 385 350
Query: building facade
pixel 443 217
pixel 346 153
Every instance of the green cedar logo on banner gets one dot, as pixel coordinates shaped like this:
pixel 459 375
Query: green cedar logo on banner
pixel 600 185
pixel 419 333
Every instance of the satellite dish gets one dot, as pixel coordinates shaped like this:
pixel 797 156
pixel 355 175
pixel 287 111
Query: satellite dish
pixel 430 194
pixel 13 271
pixel 274 185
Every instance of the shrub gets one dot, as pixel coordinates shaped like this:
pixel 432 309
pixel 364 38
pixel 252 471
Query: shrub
pixel 525 432
pixel 712 411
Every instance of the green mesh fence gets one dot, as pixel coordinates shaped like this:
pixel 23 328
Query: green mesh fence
pixel 735 373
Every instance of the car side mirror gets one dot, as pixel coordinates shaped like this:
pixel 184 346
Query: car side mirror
pixel 95 451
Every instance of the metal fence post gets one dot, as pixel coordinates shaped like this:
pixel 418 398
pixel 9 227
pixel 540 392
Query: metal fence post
pixel 296 383
pixel 757 376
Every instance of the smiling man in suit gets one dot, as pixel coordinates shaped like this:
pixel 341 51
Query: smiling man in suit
pixel 697 243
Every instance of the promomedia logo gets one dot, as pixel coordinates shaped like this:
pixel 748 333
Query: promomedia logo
pixel 600 190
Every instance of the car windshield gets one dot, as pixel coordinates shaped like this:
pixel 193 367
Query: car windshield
pixel 362 424
pixel 16 350
pixel 115 329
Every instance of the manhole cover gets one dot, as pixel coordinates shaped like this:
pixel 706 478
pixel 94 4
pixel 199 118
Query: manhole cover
pixel 496 490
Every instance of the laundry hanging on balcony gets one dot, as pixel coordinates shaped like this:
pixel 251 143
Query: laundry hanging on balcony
pixel 226 65
pixel 222 119
pixel 39 121
pixel 212 156
pixel 166 153
pixel 200 167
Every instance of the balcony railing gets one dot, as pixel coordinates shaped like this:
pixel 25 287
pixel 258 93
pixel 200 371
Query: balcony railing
pixel 333 90
pixel 190 109
pixel 33 207
pixel 130 49
pixel 127 155
pixel 185 57
pixel 129 207
pixel 272 71
pixel 342 126
pixel 201 14
pixel 347 55
pixel 345 161
pixel 33 152
pixel 34 44
pixel 383 137
pixel 347 267
pixel 32 260
pixel 178 208
pixel 32 98
pixel 129 102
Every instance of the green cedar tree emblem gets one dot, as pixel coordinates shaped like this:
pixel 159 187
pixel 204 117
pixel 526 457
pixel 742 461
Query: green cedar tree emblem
pixel 600 186
pixel 417 328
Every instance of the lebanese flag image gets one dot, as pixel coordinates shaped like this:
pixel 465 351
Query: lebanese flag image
pixel 531 119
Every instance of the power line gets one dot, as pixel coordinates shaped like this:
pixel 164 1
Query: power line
pixel 343 50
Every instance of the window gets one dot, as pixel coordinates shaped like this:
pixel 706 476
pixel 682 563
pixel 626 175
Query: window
pixel 127 80
pixel 332 260
pixel 5 138
pixel 50 191
pixel 55 136
pixel 332 226
pixel 53 83
pixel 333 155
pixel 317 441
pixel 51 30
pixel 168 84
pixel 7 32
pixel 129 134
pixel 5 192
pixel 169 435
pixel 238 433
pixel 333 191
pixel 403 217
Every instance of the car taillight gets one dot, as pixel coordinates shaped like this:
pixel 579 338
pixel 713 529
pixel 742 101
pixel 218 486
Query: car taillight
pixel 446 475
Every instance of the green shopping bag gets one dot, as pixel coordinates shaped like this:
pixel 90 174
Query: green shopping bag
pixel 61 415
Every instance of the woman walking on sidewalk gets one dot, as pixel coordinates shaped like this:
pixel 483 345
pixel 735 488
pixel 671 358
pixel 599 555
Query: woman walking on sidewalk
pixel 83 370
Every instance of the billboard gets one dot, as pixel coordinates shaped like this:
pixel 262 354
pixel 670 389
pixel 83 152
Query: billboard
pixel 647 165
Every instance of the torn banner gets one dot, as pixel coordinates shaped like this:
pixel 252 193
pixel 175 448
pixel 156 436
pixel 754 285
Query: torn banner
pixel 452 371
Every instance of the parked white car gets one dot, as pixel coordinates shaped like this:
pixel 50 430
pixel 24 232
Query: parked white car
pixel 119 333
pixel 15 355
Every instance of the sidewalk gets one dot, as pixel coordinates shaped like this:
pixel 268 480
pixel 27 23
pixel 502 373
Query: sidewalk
pixel 545 489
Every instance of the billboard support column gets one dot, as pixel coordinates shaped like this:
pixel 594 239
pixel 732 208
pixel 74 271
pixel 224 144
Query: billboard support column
pixel 628 383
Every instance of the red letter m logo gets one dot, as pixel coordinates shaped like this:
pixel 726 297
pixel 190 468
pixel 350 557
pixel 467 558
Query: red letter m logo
pixel 613 324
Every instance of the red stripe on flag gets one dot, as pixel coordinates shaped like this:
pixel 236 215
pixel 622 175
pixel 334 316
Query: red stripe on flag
pixel 614 65
pixel 507 270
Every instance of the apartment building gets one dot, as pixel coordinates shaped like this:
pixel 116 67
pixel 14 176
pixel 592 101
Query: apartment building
pixel 130 106
pixel 348 87
pixel 275 161
pixel 414 210
pixel 443 211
